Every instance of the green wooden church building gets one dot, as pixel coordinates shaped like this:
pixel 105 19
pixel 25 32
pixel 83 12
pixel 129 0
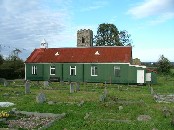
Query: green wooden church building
pixel 84 63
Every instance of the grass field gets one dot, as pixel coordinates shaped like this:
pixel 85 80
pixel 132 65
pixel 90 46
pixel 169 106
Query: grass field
pixel 134 100
pixel 172 71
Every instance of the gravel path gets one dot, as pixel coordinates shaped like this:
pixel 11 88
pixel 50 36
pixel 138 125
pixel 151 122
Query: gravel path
pixel 30 122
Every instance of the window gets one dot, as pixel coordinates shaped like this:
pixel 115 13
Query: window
pixel 73 70
pixel 117 71
pixel 83 40
pixel 94 71
pixel 34 70
pixel 52 70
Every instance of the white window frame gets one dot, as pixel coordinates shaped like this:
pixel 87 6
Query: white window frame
pixel 116 68
pixel 72 68
pixel 52 67
pixel 34 70
pixel 93 69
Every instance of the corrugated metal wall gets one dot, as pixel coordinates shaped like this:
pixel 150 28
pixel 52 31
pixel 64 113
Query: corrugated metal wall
pixel 127 74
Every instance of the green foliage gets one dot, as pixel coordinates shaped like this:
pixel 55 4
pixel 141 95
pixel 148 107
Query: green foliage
pixel 1 60
pixel 163 65
pixel 12 68
pixel 9 73
pixel 107 35
pixel 125 38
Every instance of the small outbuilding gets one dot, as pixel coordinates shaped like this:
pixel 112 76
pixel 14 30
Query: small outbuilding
pixel 151 76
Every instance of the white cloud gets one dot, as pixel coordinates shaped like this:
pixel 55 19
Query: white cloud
pixel 25 23
pixel 151 7
pixel 162 18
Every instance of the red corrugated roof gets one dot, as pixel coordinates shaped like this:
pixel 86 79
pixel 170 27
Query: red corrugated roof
pixel 81 55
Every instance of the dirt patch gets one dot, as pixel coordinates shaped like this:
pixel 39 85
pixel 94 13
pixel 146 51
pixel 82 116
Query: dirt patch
pixel 32 120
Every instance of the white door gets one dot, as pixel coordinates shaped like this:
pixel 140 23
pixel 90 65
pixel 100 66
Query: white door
pixel 148 76
pixel 140 76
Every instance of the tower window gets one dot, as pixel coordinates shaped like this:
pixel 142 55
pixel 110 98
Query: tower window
pixel 83 40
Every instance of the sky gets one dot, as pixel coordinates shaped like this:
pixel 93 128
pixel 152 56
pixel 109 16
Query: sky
pixel 24 23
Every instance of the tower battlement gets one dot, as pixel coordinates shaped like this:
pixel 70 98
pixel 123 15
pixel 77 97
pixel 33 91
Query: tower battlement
pixel 84 38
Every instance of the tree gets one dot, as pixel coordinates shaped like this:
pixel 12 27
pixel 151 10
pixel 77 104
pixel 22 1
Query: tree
pixel 13 67
pixel 107 35
pixel 163 65
pixel 1 59
pixel 125 38
pixel 16 52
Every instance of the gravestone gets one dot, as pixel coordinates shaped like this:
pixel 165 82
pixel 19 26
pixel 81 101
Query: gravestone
pixel 62 82
pixel 120 88
pixel 46 83
pixel 120 108
pixel 40 98
pixel 105 92
pixel 144 118
pixel 77 87
pixel 5 83
pixel 38 83
pixel 151 90
pixel 102 98
pixel 27 87
pixel 86 116
pixel 166 112
pixel 13 109
pixel 51 102
pixel 6 94
pixel 81 103
pixel 105 83
pixel 71 88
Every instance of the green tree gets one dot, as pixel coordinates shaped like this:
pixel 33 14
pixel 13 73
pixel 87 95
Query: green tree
pixel 1 59
pixel 107 35
pixel 13 67
pixel 163 65
pixel 125 38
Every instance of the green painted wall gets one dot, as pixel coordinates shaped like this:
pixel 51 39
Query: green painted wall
pixel 132 75
pixel 153 78
pixel 43 71
pixel 46 70
pixel 128 74
pixel 38 76
pixel 106 73
pixel 79 73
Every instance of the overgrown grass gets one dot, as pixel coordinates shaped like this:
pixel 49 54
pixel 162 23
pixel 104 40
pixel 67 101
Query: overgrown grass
pixel 172 71
pixel 135 100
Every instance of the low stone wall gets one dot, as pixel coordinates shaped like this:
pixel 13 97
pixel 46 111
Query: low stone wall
pixel 164 98
pixel 41 114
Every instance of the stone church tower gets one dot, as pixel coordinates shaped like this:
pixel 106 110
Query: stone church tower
pixel 84 38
